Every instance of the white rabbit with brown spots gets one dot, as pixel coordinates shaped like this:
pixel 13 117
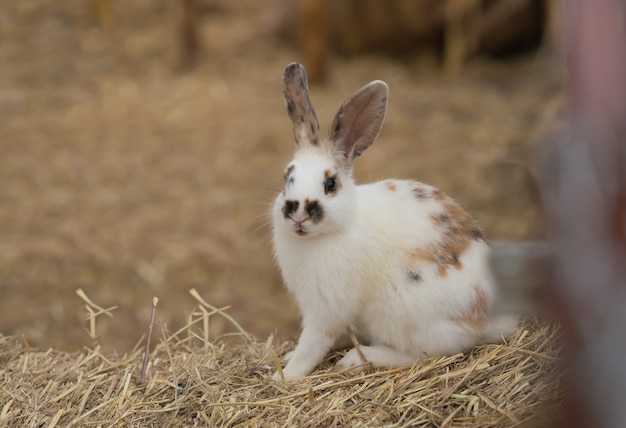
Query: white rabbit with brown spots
pixel 399 262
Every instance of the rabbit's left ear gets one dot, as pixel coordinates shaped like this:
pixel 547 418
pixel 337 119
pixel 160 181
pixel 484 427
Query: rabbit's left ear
pixel 359 120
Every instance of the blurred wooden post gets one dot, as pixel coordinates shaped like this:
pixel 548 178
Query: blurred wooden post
pixel 103 10
pixel 553 36
pixel 587 195
pixel 313 37
pixel 459 40
pixel 468 24
pixel 189 35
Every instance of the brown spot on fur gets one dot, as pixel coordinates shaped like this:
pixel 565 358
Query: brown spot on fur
pixel 457 228
pixel 330 333
pixel 423 191
pixel 438 194
pixel 422 254
pixel 391 186
pixel 440 220
pixel 477 234
pixel 476 315
pixel 455 239
pixel 420 193
pixel 431 254
pixel 460 227
pixel 442 256
pixel 414 276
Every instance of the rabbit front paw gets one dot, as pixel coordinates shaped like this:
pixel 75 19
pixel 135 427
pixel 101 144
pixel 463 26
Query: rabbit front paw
pixel 289 373
pixel 350 360
pixel 378 356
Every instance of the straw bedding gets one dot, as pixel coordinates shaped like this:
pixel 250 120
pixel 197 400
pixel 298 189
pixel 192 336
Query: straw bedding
pixel 193 380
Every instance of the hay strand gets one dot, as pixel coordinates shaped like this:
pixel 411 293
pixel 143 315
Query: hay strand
pixel 203 302
pixel 155 301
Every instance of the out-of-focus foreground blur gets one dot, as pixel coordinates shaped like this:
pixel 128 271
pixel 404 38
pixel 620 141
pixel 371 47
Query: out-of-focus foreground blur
pixel 142 143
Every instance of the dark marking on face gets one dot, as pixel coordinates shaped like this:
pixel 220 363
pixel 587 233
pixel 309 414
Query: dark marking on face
pixel 289 174
pixel 332 183
pixel 290 108
pixel 315 211
pixel 313 129
pixel 290 207
pixel 414 276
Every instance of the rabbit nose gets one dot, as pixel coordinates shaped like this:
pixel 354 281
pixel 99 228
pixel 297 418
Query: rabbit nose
pixel 290 207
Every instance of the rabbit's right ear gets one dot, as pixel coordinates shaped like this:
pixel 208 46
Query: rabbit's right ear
pixel 306 128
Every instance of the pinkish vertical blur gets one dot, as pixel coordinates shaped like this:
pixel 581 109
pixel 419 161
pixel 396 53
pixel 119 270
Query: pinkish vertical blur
pixel 586 201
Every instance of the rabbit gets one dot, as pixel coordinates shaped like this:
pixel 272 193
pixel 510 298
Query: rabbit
pixel 399 262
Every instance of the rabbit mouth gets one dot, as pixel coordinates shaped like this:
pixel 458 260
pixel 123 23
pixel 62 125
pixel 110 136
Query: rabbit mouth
pixel 300 231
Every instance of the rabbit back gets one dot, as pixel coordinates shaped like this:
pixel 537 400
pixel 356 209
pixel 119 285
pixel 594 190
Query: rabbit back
pixel 432 261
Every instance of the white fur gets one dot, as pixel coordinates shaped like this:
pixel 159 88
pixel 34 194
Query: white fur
pixel 350 270
pixel 355 278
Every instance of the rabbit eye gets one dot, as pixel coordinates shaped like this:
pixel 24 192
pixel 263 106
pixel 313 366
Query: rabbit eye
pixel 330 186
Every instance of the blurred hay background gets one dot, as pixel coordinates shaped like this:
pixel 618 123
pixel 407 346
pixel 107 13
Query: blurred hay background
pixel 125 175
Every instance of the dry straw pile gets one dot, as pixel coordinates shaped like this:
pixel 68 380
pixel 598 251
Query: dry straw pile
pixel 193 380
